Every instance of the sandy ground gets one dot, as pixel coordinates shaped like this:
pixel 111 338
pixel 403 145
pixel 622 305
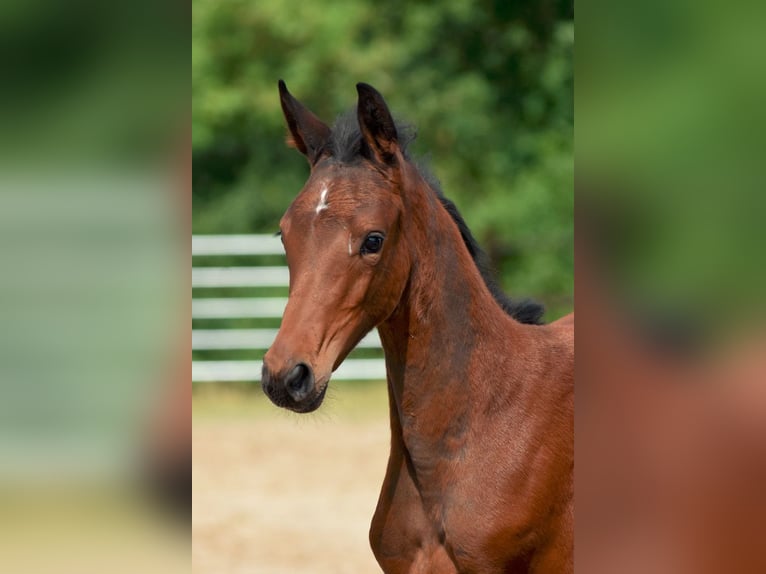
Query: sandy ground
pixel 283 494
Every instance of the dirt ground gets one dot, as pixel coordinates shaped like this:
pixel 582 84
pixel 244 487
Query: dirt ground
pixel 278 493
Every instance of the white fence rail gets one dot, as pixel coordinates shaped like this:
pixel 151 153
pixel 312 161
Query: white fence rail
pixel 244 307
pixel 260 339
pixel 207 339
pixel 236 245
pixel 239 276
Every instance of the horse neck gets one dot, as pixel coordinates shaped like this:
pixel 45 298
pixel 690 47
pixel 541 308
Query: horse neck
pixel 431 339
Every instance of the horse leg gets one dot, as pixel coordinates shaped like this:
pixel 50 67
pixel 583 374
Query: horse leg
pixel 402 537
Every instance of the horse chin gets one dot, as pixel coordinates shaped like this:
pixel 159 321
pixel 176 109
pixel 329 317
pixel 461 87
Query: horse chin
pixel 311 404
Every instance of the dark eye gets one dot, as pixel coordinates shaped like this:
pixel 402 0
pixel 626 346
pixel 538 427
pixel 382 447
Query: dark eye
pixel 372 243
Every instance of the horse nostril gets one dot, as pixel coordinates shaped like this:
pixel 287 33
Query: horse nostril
pixel 299 382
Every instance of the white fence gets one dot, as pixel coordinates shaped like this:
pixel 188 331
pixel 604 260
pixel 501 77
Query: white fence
pixel 212 309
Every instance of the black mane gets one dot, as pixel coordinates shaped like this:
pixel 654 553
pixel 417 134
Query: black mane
pixel 346 145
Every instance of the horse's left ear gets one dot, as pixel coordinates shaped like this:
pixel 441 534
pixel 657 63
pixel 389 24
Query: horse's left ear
pixel 376 124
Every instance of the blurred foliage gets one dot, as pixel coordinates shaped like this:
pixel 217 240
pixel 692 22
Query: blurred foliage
pixel 489 84
pixel 670 154
pixel 89 85
pixel 92 248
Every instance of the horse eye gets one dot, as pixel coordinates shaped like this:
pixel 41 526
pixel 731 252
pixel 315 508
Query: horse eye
pixel 372 243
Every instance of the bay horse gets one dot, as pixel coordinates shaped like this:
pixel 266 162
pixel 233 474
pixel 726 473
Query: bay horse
pixel 480 473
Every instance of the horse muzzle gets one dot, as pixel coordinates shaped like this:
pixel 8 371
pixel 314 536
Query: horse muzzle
pixel 293 388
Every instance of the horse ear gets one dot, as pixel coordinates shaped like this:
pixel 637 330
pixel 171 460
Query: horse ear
pixel 308 134
pixel 376 124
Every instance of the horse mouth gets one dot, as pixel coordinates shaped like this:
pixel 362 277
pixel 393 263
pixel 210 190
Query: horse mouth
pixel 310 405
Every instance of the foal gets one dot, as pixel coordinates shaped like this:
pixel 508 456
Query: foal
pixel 479 478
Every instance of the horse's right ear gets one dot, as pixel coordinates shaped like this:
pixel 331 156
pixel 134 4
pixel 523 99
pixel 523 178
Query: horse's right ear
pixel 308 134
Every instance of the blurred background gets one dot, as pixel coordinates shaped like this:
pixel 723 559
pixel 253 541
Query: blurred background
pixel 94 389
pixel 489 87
pixel 671 350
pixel 670 157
